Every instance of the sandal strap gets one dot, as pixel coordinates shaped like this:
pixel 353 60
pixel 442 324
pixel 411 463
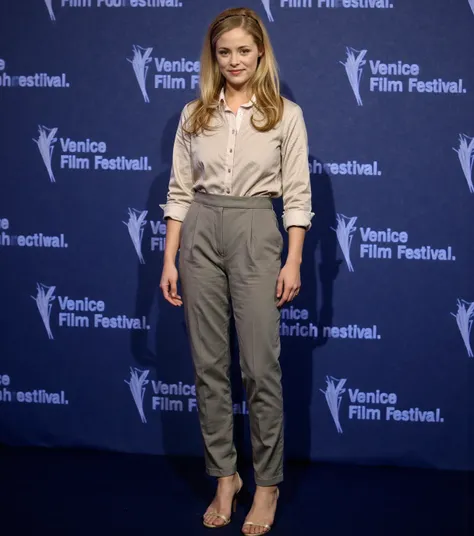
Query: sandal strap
pixel 222 516
pixel 264 525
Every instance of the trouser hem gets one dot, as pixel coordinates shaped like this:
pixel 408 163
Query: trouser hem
pixel 221 472
pixel 271 482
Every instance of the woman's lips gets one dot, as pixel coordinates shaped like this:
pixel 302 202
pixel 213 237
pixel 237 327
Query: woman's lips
pixel 236 72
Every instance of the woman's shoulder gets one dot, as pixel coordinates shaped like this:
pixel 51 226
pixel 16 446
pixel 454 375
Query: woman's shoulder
pixel 290 108
pixel 292 114
pixel 189 107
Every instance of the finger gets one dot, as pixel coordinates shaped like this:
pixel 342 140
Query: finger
pixel 279 289
pixel 286 294
pixel 284 298
pixel 169 299
pixel 176 300
pixel 280 294
pixel 294 292
pixel 174 288
pixel 291 295
pixel 165 290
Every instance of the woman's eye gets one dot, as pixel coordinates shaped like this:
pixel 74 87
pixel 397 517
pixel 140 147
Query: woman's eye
pixel 245 51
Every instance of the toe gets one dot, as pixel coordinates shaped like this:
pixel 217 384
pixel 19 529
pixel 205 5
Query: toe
pixel 208 518
pixel 218 521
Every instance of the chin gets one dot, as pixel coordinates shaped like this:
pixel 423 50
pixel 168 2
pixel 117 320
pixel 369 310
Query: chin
pixel 237 81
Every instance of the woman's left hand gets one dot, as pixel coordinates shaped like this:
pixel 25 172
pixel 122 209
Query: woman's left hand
pixel 289 282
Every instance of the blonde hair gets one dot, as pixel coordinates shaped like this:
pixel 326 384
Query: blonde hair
pixel 265 84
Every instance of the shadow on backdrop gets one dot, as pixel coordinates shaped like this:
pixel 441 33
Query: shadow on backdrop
pixel 164 350
pixel 319 270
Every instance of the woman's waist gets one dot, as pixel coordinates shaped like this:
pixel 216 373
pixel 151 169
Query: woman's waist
pixel 258 201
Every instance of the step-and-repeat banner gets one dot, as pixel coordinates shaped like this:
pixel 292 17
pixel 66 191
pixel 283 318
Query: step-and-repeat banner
pixel 377 350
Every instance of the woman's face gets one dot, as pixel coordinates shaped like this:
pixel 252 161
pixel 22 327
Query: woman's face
pixel 237 56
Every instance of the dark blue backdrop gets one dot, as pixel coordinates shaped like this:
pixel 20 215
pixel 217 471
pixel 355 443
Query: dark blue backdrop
pixel 376 351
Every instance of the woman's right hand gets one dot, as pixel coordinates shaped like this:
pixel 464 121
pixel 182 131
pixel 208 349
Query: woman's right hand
pixel 169 284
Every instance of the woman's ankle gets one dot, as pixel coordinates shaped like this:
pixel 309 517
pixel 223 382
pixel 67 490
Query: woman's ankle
pixel 267 489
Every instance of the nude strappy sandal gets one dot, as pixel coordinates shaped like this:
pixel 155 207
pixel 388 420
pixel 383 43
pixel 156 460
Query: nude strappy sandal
pixel 222 516
pixel 265 526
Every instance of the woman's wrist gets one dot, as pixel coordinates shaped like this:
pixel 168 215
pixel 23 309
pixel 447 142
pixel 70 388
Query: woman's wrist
pixel 169 258
pixel 291 259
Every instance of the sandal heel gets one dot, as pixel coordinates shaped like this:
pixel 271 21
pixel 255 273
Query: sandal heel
pixel 221 516
pixel 267 528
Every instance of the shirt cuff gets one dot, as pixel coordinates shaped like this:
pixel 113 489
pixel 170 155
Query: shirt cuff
pixel 175 211
pixel 300 218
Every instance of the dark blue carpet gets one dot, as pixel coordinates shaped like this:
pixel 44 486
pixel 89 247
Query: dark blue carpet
pixel 46 491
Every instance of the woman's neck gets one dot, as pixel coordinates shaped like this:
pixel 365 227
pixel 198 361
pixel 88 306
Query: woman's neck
pixel 236 95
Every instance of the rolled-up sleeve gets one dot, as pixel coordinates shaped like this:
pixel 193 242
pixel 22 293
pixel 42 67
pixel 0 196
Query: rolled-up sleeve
pixel 295 171
pixel 180 192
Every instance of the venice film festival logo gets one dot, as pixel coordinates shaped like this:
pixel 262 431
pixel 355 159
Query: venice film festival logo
pixel 111 4
pixel 176 397
pixel 188 71
pixel 376 405
pixel 179 397
pixel 45 143
pixel 465 153
pixel 83 155
pixel 80 313
pixel 464 318
pixel 141 59
pixel 138 382
pixel 393 77
pixel 268 11
pixel 384 244
pixel 136 225
pixel 329 4
pixel 49 7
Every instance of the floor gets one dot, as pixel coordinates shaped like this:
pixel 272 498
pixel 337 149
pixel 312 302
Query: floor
pixel 47 491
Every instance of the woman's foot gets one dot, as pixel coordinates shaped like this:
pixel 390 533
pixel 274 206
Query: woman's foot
pixel 263 510
pixel 227 487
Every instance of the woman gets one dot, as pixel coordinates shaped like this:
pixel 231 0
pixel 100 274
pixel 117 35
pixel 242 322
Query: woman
pixel 237 146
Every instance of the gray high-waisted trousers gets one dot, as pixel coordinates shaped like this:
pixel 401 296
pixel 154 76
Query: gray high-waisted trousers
pixel 230 254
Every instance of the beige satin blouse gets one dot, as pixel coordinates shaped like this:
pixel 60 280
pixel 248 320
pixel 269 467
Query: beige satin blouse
pixel 237 160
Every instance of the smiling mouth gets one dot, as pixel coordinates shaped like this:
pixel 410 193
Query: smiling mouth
pixel 236 72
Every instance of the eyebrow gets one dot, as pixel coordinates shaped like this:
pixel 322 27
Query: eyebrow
pixel 241 46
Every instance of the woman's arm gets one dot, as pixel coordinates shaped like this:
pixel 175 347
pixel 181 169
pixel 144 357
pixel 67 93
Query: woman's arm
pixel 296 185
pixel 289 280
pixel 296 237
pixel 180 188
pixel 169 276
pixel 179 198
pixel 296 201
